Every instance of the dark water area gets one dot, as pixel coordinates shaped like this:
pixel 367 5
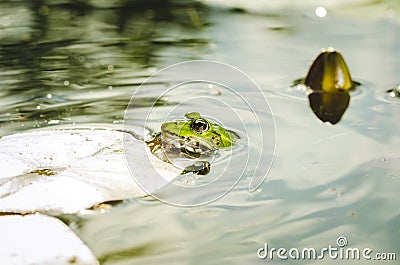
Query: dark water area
pixel 67 62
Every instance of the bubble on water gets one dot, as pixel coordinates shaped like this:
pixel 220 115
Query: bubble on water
pixel 301 88
pixel 394 92
pixel 38 107
pixel 321 11
pixel 52 122
pixel 49 96
pixel 110 88
pixel 214 90
pixel 66 83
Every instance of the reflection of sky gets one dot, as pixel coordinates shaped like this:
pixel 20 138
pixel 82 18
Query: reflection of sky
pixel 279 57
pixel 301 35
pixel 325 181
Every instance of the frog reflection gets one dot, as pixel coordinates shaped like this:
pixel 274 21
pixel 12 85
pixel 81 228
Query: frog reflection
pixel 329 82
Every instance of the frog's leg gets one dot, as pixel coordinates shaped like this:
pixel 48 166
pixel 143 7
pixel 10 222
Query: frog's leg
pixel 198 168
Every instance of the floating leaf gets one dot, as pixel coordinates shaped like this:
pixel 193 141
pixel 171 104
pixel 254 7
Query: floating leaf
pixel 69 170
pixel 40 239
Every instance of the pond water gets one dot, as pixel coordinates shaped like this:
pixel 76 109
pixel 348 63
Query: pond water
pixel 75 62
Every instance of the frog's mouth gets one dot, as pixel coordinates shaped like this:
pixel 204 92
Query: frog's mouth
pixel 189 147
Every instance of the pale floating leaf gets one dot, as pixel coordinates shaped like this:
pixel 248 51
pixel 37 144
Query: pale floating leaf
pixel 68 170
pixel 40 239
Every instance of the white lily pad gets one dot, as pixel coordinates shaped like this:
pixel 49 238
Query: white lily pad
pixel 68 170
pixel 40 239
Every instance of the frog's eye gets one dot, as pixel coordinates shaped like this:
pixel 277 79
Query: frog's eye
pixel 200 126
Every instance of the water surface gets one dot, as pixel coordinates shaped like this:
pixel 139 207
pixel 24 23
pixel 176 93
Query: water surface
pixel 80 61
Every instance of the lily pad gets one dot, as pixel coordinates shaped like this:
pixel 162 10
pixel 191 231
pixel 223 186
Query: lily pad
pixel 70 169
pixel 40 239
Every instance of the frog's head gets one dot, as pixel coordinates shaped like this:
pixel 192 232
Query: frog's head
pixel 195 135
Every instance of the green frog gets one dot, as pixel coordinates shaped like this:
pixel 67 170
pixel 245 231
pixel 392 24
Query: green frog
pixel 190 143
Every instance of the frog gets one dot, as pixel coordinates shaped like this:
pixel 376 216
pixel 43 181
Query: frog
pixel 191 143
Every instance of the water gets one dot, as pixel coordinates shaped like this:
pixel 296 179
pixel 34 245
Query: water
pixel 65 63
